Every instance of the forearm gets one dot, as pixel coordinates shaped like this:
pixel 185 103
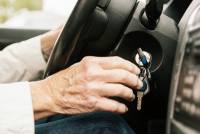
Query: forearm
pixel 40 100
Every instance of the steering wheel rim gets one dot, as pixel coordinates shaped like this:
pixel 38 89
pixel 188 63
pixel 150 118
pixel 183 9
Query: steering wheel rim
pixel 66 41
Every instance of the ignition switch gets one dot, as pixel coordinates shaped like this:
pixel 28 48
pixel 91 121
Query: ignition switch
pixel 144 59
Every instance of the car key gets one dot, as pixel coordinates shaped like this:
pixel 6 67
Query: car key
pixel 146 63
pixel 140 95
pixel 144 90
pixel 144 76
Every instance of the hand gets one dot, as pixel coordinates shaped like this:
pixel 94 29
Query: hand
pixel 48 40
pixel 87 87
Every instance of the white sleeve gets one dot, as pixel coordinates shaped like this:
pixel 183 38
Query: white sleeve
pixel 16 114
pixel 22 61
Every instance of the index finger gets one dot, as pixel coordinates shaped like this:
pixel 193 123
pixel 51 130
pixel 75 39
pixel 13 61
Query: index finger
pixel 117 63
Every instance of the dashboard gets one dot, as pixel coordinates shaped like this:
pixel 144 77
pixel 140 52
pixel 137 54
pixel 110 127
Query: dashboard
pixel 184 106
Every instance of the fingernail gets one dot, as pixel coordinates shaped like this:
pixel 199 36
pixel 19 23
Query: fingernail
pixel 140 84
pixel 133 98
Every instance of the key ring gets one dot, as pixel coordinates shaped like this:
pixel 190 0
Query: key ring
pixel 143 73
pixel 144 78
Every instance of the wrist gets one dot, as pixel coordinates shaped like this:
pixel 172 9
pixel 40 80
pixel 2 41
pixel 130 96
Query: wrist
pixel 41 100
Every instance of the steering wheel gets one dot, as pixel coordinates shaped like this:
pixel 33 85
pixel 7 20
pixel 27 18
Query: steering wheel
pixel 66 42
pixel 94 28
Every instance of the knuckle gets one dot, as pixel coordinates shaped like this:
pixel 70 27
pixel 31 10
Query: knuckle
pixel 125 91
pixel 135 82
pixel 87 60
pixel 115 108
pixel 90 74
pixel 120 91
pixel 132 67
pixel 124 76
pixel 92 102
pixel 88 87
pixel 89 70
pixel 130 93
pixel 122 108
pixel 117 58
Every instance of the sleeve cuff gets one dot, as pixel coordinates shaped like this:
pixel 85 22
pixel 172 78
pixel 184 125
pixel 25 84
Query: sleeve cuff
pixel 16 112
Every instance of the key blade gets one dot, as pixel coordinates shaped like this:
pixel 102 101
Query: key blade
pixel 139 104
pixel 139 100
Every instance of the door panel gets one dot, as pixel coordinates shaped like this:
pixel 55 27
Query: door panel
pixel 9 36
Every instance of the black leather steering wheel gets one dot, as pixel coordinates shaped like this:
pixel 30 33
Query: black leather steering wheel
pixel 94 28
pixel 69 36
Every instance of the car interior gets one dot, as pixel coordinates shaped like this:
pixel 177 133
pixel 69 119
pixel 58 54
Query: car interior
pixel 168 31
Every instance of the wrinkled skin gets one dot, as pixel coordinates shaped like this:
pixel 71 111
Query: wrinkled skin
pixel 87 87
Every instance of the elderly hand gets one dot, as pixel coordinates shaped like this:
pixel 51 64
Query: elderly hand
pixel 87 87
pixel 48 40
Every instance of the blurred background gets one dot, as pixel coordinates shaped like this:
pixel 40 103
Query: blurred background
pixel 34 14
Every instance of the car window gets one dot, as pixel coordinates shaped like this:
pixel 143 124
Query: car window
pixel 34 14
